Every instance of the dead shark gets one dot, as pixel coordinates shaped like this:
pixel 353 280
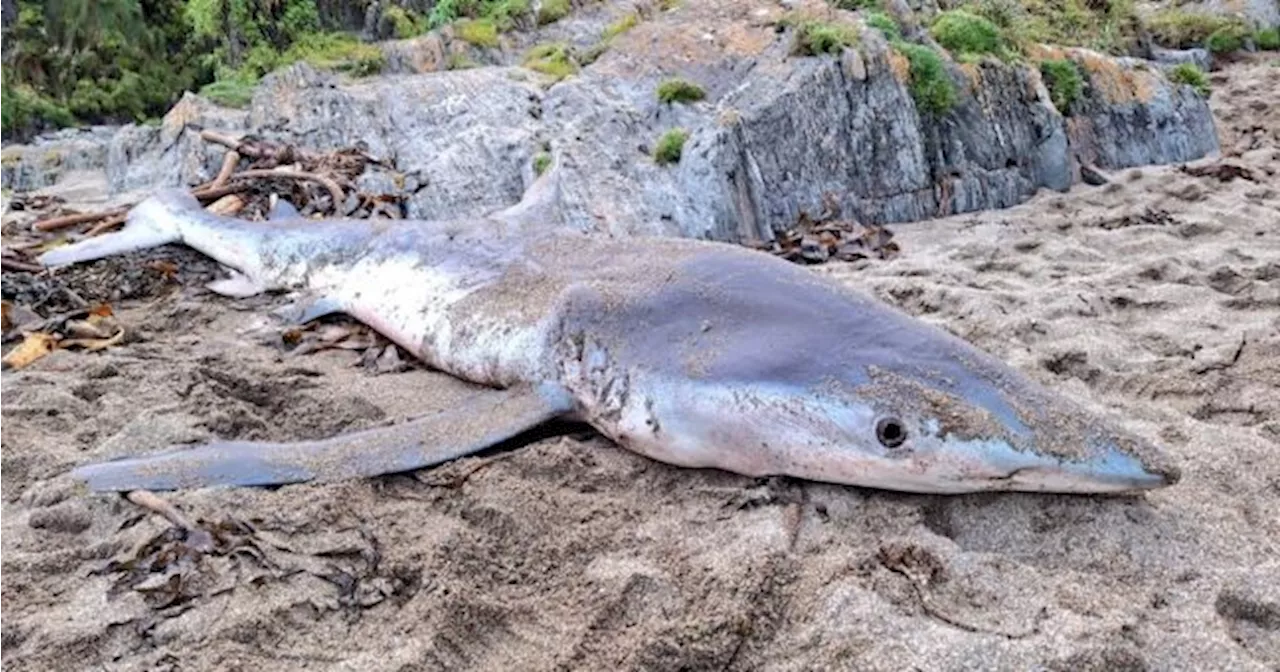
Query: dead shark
pixel 693 353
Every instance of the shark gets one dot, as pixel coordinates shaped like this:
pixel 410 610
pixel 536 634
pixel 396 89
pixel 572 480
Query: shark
pixel 694 353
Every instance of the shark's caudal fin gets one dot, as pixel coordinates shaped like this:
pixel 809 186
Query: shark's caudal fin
pixel 151 223
pixel 540 206
pixel 485 420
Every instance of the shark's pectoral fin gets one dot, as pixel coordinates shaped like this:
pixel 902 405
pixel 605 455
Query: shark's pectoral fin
pixel 484 420
pixel 237 286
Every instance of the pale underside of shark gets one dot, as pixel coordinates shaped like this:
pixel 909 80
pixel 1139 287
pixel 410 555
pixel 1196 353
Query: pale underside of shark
pixel 693 353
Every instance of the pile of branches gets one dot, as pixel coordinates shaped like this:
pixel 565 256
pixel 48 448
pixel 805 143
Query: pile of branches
pixel 254 173
pixel 827 237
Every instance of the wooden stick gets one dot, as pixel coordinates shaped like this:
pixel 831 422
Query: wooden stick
pixel 335 191
pixel 220 139
pixel 149 501
pixel 105 225
pixel 55 223
pixel 209 194
pixel 229 163
pixel 15 265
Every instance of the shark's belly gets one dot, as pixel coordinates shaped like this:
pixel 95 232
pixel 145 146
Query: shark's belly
pixel 478 325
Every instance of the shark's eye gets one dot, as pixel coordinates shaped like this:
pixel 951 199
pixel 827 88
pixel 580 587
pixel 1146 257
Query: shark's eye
pixel 891 432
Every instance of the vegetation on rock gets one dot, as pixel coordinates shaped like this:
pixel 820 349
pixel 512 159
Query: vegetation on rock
pixel 931 85
pixel 109 61
pixel 553 59
pixel 680 91
pixel 552 11
pixel 962 32
pixel 885 24
pixel 621 26
pixel 1268 39
pixel 480 32
pixel 1226 39
pixel 670 146
pixel 814 38
pixel 1065 82
pixel 1191 75
pixel 1180 29
pixel 541 162
pixel 405 23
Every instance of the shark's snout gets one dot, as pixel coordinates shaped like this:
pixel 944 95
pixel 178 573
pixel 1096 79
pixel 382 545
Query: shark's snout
pixel 1139 465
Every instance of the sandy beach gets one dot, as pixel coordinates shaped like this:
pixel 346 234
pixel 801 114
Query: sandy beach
pixel 1155 297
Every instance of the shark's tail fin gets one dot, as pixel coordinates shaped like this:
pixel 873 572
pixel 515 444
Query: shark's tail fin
pixel 151 223
pixel 540 206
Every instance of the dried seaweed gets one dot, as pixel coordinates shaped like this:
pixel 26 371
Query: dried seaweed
pixel 1148 217
pixel 1222 171
pixel 175 566
pixel 828 237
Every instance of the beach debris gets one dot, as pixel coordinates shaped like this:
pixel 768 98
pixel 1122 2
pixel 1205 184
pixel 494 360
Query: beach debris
pixel 376 354
pixel 1091 176
pixel 1222 171
pixel 33 347
pixel 187 561
pixel 255 173
pixel 1149 216
pixel 89 329
pixel 828 237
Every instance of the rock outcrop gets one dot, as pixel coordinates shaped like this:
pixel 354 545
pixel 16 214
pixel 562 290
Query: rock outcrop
pixel 774 134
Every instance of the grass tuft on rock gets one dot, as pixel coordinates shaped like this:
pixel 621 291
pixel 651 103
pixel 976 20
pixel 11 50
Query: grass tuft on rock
pixel 1226 39
pixel 1191 75
pixel 1180 29
pixel 235 92
pixel 405 23
pixel 680 91
pixel 931 85
pixel 1065 82
pixel 552 11
pixel 1268 39
pixel 541 162
pixel 885 24
pixel 1109 26
pixel 480 32
pixel 334 51
pixel 620 26
pixel 814 38
pixel 553 59
pixel 962 32
pixel 670 146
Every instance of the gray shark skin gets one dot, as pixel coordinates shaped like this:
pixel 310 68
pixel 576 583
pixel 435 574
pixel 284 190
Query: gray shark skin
pixel 693 353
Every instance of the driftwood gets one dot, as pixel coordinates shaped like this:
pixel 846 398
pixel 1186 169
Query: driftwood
pixel 255 171
pixel 252 172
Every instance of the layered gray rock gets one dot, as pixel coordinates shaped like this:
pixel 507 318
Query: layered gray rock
pixel 777 134
pixel 1262 13
pixel 1134 116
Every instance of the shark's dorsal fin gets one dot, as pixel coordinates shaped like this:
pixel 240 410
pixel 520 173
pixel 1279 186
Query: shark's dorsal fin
pixel 540 207
pixel 282 209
